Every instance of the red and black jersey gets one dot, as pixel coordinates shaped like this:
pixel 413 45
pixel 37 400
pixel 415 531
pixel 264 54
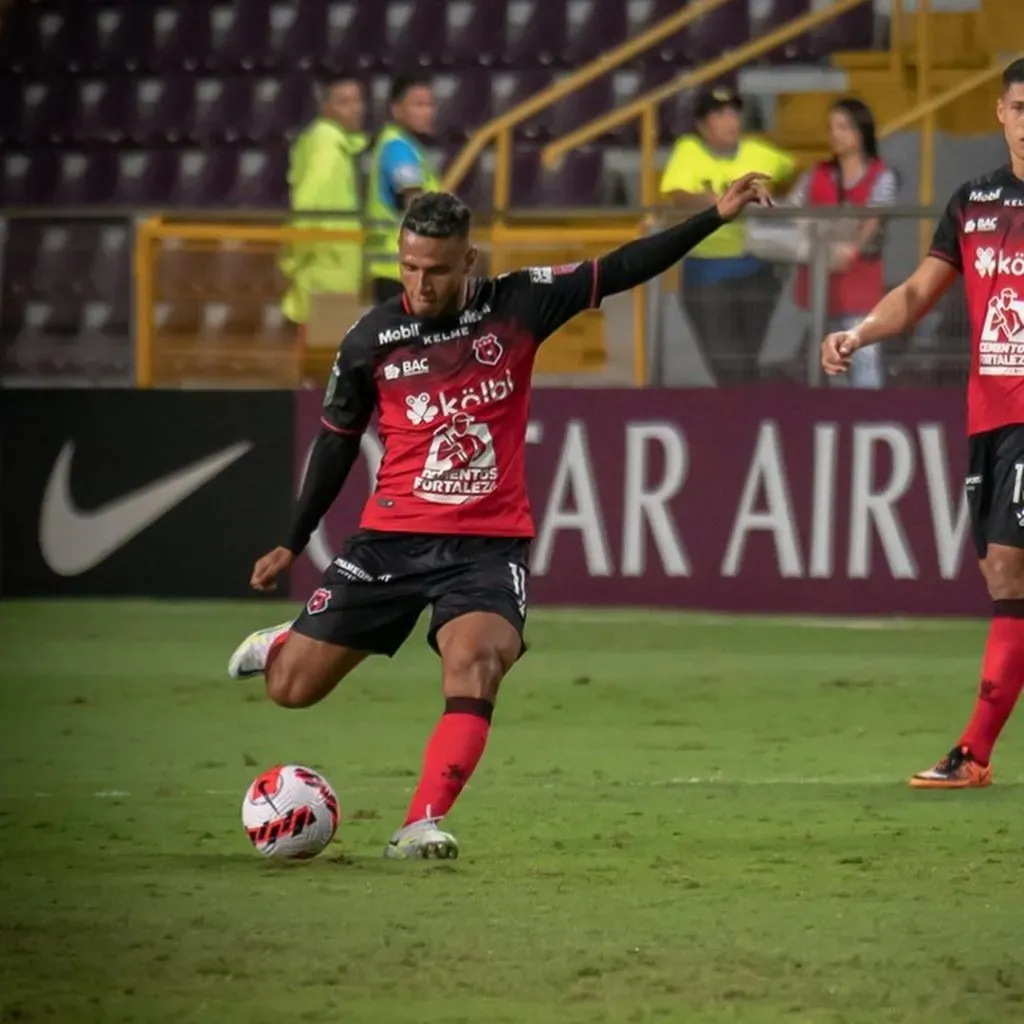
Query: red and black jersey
pixel 452 400
pixel 981 234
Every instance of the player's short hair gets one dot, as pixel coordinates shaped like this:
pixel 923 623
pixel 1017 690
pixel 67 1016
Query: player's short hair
pixel 1014 74
pixel 401 84
pixel 437 215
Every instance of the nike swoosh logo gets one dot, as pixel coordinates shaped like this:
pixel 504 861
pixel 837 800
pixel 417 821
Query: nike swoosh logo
pixel 73 541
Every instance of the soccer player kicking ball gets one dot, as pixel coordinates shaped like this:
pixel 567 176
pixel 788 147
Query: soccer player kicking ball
pixel 446 367
pixel 981 236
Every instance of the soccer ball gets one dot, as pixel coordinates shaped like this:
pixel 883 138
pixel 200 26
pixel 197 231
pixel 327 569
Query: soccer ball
pixel 290 812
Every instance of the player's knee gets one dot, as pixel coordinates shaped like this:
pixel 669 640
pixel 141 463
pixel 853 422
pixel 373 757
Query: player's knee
pixel 473 672
pixel 1004 573
pixel 289 687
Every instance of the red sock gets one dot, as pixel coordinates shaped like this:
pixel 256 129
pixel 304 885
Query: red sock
pixel 1002 677
pixel 451 756
pixel 274 650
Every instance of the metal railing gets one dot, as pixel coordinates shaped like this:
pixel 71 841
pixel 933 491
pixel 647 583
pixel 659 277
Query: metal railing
pixel 928 106
pixel 645 107
pixel 500 130
pixel 168 280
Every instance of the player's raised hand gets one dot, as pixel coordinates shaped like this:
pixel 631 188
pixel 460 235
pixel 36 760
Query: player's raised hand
pixel 837 351
pixel 269 567
pixel 751 188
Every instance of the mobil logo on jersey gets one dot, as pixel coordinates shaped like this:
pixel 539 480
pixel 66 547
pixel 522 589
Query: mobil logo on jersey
pixel 988 261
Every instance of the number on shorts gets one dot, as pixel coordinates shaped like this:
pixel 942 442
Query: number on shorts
pixel 1018 483
pixel 519 586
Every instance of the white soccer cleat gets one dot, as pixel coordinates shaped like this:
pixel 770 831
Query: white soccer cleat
pixel 422 840
pixel 250 657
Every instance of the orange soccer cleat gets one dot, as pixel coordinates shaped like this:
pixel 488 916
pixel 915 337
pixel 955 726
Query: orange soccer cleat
pixel 957 770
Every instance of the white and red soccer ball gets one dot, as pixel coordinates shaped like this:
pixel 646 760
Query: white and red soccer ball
pixel 290 812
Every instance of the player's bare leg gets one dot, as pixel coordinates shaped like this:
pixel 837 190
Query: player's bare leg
pixel 1002 677
pixel 477 651
pixel 299 670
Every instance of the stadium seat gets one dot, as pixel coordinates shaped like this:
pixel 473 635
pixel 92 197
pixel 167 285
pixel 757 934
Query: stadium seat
pixel 510 88
pixel 357 36
pixel 279 109
pixel 463 101
pixel 536 34
pixel 416 31
pixel 298 37
pixel 475 33
pixel 593 27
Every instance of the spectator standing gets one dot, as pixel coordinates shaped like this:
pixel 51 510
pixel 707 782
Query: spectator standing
pixel 728 293
pixel 323 176
pixel 399 171
pixel 854 176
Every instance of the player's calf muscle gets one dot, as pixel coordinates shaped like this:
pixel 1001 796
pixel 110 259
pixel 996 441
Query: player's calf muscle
pixel 1003 569
pixel 473 672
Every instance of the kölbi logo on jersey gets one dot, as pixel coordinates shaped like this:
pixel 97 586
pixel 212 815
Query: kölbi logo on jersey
pixel 987 263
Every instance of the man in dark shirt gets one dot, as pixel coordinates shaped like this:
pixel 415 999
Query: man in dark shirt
pixel 446 368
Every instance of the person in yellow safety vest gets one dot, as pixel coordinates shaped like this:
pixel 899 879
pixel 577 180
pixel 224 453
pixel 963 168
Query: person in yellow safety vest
pixel 323 175
pixel 399 171
pixel 725 289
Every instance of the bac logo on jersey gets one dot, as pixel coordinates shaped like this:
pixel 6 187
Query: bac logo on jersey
pixel 987 262
pixel 407 368
pixel 979 196
pixel 981 224
pixel 488 350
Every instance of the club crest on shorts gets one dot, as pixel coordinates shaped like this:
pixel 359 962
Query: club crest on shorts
pixel 488 350
pixel 318 600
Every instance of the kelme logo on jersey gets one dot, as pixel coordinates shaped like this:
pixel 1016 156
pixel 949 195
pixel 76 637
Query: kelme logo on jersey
pixel 406 332
pixel 987 263
pixel 473 397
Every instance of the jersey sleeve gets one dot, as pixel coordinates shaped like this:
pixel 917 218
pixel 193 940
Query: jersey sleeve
pixel 546 298
pixel 351 395
pixel 946 240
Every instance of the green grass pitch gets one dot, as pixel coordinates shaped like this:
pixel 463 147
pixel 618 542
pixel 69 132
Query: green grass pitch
pixel 679 818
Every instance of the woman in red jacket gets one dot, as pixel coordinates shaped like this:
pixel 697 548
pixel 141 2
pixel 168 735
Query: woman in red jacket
pixel 854 176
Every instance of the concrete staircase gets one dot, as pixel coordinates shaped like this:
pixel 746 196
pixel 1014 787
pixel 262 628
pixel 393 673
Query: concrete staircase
pixel 961 42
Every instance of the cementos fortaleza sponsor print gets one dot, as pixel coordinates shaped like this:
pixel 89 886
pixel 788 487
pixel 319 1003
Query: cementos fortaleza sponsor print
pixel 759 500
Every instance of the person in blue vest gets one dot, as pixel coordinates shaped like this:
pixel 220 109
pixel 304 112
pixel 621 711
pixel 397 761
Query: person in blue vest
pixel 399 171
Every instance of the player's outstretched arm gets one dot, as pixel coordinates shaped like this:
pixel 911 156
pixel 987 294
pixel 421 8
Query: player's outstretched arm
pixel 330 462
pixel 639 261
pixel 898 311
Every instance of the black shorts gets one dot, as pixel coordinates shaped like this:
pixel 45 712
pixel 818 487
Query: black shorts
pixel 375 590
pixel 995 487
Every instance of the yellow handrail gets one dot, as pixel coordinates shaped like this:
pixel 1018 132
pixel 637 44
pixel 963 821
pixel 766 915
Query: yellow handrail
pixel 925 110
pixel 941 99
pixel 556 150
pixel 584 76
